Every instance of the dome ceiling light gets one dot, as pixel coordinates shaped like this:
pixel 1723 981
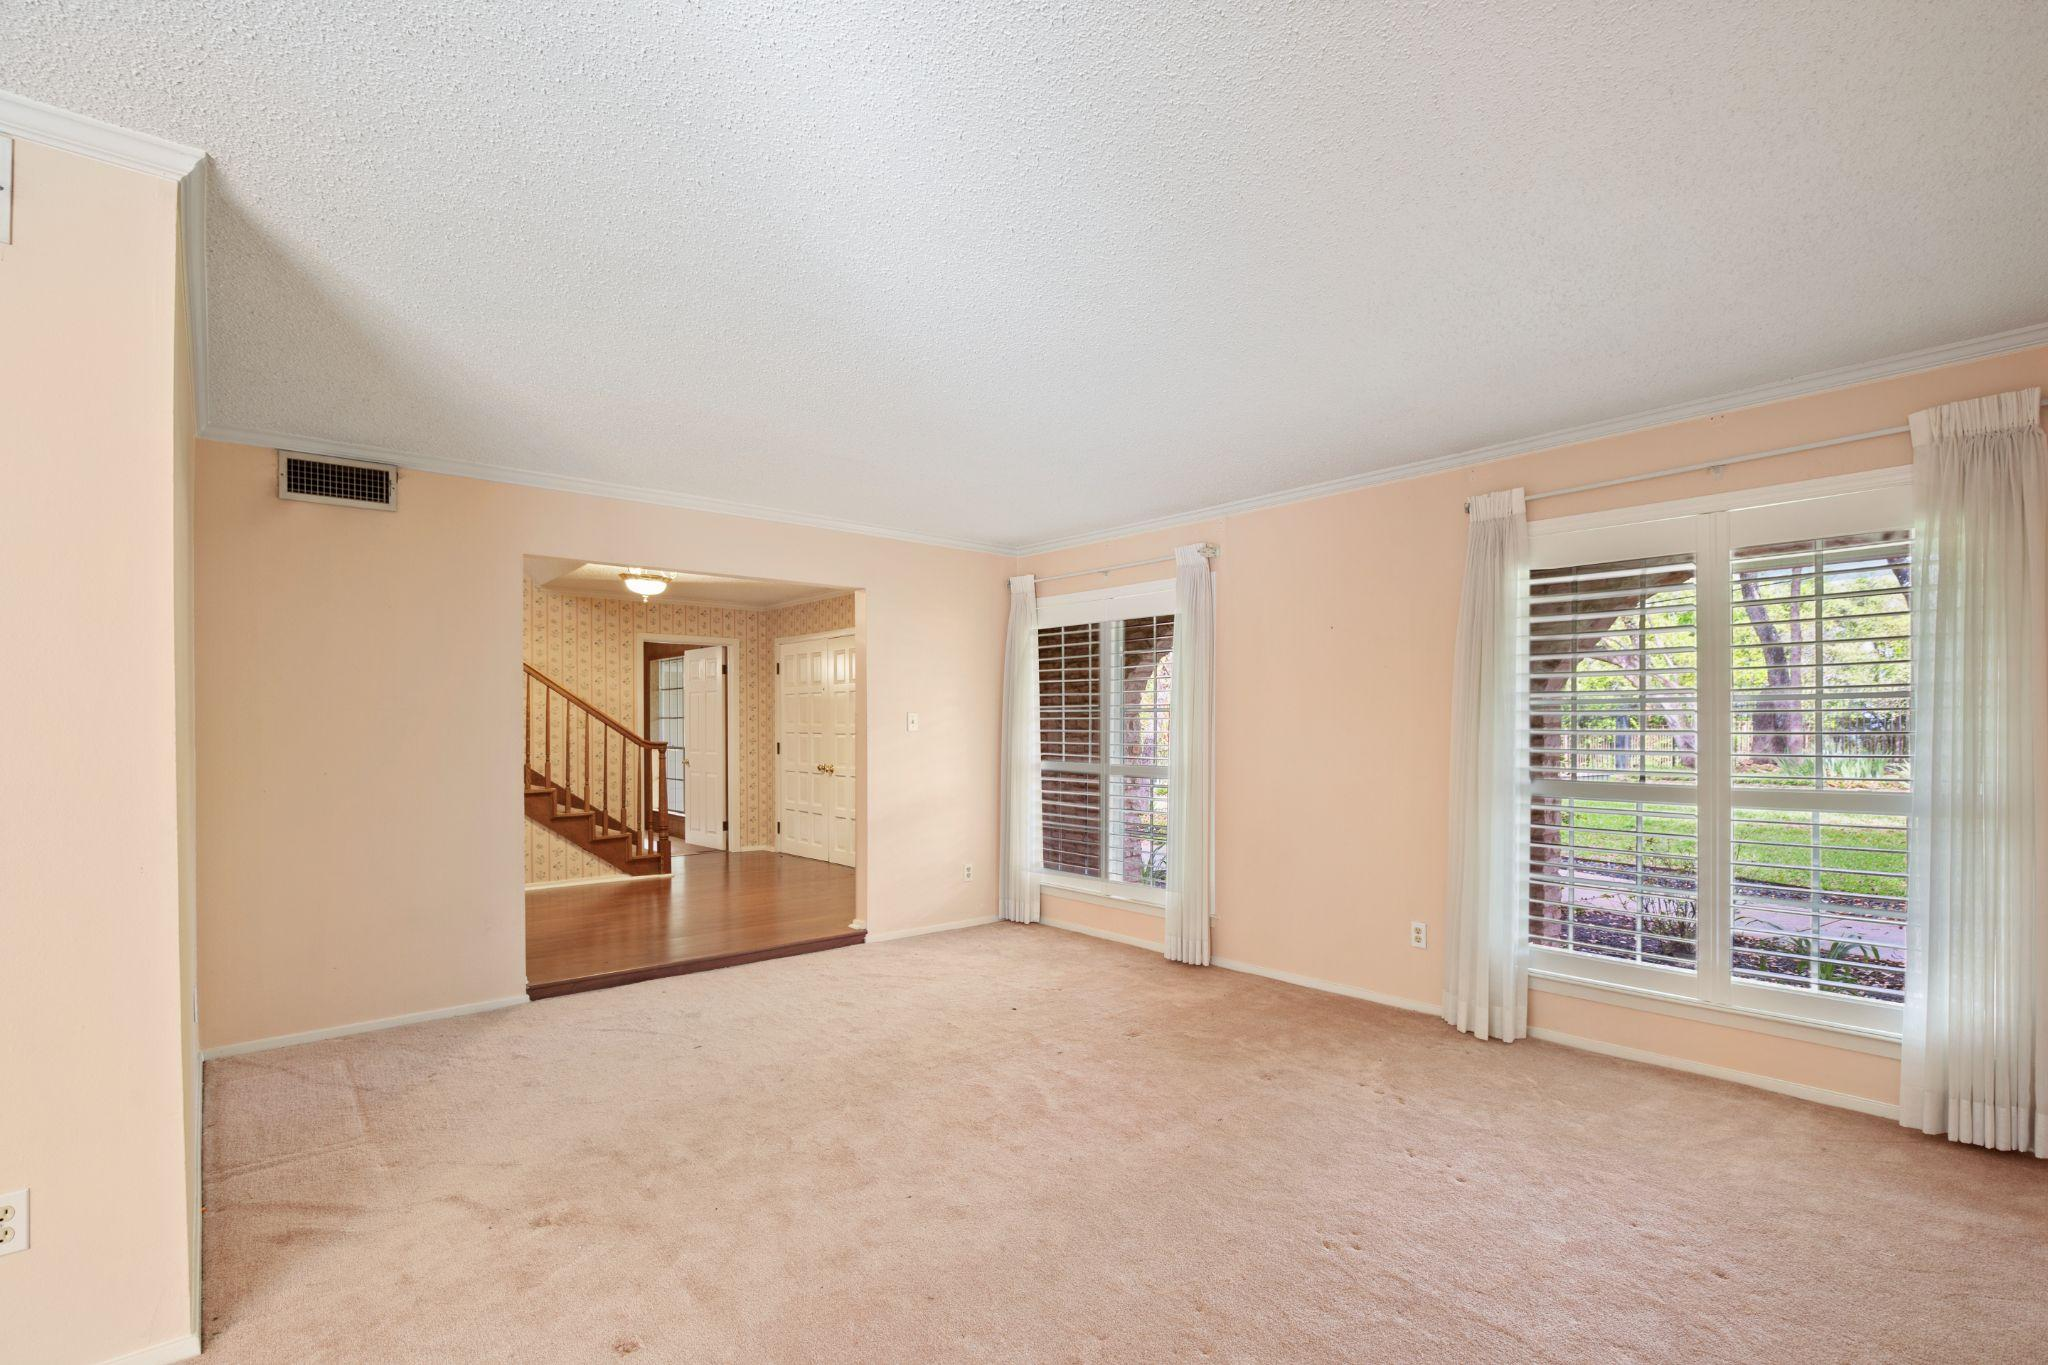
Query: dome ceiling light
pixel 647 586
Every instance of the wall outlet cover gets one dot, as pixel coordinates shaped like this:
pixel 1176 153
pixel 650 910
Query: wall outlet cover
pixel 13 1221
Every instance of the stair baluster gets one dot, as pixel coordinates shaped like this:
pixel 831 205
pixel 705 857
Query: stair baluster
pixel 628 830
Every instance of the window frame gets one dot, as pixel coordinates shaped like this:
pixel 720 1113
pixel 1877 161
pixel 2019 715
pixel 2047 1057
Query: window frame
pixel 1104 607
pixel 1710 529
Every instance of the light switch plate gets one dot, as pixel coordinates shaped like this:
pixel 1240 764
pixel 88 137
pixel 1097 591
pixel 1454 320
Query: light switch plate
pixel 6 190
pixel 910 721
pixel 13 1221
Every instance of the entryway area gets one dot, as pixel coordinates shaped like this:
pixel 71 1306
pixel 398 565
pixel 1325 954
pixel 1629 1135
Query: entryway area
pixel 692 775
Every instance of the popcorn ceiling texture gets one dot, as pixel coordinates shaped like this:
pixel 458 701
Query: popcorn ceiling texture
pixel 933 266
pixel 588 645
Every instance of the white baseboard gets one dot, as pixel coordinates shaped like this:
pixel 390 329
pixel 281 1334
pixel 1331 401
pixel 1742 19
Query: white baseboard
pixel 755 848
pixel 1333 987
pixel 1111 935
pixel 886 935
pixel 163 1353
pixel 590 881
pixel 367 1026
pixel 1795 1089
pixel 1815 1093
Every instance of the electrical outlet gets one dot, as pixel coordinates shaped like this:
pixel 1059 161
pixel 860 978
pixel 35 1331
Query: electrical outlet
pixel 970 872
pixel 1418 934
pixel 13 1222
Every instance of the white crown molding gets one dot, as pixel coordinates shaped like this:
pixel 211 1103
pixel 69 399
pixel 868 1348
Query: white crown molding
pixel 60 128
pixel 50 126
pixel 192 193
pixel 45 124
pixel 596 488
pixel 1847 376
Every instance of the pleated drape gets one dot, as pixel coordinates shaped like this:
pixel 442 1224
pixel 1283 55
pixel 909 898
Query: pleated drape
pixel 1020 757
pixel 1191 764
pixel 1975 1055
pixel 1486 940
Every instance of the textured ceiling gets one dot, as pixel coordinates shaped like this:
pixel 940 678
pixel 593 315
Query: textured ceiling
pixel 1008 272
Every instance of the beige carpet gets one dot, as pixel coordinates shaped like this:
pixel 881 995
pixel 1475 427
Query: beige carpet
pixel 1019 1144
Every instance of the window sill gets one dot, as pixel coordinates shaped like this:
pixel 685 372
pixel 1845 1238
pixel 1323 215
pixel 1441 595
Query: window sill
pixel 1143 900
pixel 1825 1033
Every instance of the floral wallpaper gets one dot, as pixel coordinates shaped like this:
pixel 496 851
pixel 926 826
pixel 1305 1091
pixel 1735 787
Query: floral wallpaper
pixel 587 644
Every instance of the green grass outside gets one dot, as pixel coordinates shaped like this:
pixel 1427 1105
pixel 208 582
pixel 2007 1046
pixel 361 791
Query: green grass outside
pixel 1855 850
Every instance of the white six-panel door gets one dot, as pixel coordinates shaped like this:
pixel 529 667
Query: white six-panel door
pixel 839 690
pixel 815 731
pixel 704 816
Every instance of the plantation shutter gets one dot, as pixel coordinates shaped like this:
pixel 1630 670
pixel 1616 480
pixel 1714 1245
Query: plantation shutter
pixel 1719 772
pixel 1105 711
pixel 1821 707
pixel 1614 733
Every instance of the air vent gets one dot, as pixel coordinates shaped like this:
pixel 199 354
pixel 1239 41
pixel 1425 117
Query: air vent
pixel 324 478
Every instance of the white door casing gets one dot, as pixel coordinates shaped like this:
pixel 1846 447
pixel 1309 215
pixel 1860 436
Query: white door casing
pixel 839 692
pixel 815 725
pixel 704 818
pixel 666 725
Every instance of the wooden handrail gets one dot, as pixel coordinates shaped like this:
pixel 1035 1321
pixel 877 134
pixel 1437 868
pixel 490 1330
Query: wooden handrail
pixel 641 814
pixel 581 704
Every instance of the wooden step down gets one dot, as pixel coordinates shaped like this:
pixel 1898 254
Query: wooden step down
pixel 556 809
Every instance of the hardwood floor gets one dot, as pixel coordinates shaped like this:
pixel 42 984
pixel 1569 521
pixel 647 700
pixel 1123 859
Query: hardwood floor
pixel 717 910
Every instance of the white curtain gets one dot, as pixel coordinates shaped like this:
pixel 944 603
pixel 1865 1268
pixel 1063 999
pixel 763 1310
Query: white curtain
pixel 1486 940
pixel 1191 762
pixel 1975 1060
pixel 1021 793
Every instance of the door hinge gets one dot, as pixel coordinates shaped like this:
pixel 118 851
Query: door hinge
pixel 724 669
pixel 778 668
pixel 725 824
pixel 778 827
pixel 778 746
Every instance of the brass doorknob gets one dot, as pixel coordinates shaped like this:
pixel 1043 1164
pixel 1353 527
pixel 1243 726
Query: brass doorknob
pixel 825 767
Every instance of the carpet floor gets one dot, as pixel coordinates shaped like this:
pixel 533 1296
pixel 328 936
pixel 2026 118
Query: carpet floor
pixel 1014 1143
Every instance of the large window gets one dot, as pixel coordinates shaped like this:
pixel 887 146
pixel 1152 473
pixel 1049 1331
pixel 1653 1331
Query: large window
pixel 1718 731
pixel 1105 703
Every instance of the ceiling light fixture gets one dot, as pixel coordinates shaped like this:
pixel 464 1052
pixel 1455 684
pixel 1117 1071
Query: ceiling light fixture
pixel 647 585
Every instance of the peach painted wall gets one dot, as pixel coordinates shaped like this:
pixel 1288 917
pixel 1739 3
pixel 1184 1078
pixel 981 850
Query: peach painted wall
pixel 360 833
pixel 1318 595
pixel 94 1118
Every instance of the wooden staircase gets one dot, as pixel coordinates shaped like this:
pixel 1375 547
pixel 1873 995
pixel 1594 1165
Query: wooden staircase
pixel 593 781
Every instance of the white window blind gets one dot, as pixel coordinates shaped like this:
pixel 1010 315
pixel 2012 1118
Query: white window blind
pixel 1719 774
pixel 1614 718
pixel 1105 697
pixel 1821 693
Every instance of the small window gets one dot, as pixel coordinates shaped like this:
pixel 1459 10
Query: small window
pixel 1105 725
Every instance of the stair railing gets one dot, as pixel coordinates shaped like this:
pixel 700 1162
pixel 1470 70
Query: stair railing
pixel 569 750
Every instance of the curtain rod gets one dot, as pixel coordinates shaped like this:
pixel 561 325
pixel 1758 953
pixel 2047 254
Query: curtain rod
pixel 1208 552
pixel 1717 464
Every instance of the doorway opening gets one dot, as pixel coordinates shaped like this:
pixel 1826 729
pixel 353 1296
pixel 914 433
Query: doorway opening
pixel 684 808
pixel 684 705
